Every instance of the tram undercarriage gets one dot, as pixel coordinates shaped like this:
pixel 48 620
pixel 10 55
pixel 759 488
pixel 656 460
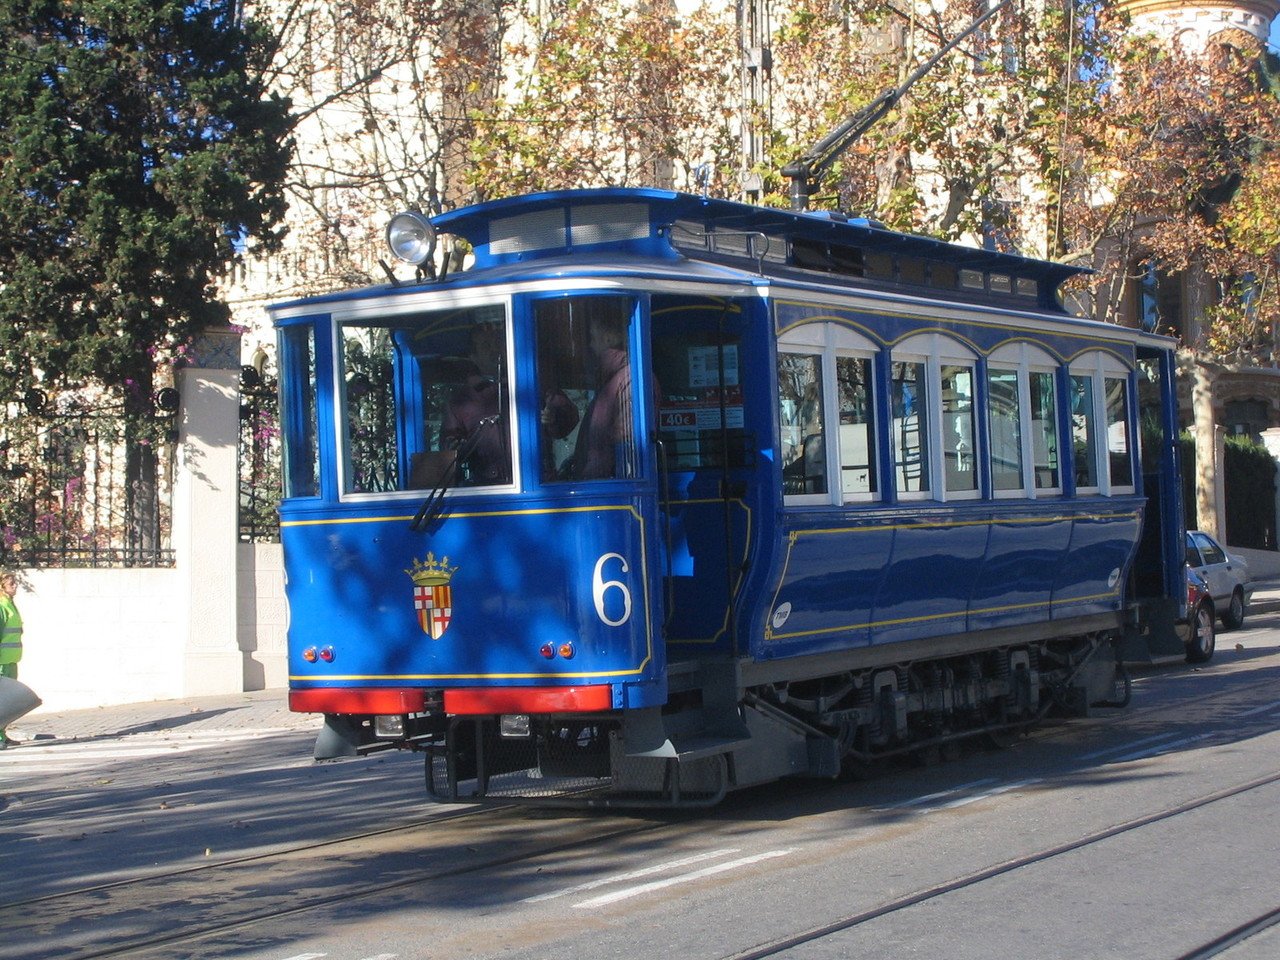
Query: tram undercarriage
pixel 715 735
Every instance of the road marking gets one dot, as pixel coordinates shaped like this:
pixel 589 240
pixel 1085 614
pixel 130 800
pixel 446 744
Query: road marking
pixel 644 888
pixel 986 794
pixel 632 875
pixel 923 801
pixel 307 956
pixel 1127 746
pixel 1161 748
pixel 1262 709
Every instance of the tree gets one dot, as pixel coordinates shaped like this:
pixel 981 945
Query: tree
pixel 139 152
pixel 384 95
pixel 1184 162
pixel 612 93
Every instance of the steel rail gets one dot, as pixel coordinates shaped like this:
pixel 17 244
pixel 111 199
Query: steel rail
pixel 791 941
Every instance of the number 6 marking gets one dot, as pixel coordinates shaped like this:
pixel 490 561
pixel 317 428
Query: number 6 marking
pixel 599 586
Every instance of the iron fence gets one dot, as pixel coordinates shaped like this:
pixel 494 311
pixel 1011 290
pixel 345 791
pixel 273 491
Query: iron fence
pixel 83 485
pixel 259 457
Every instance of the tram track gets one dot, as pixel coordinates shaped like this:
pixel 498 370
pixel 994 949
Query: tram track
pixel 222 925
pixel 248 902
pixel 851 921
pixel 1220 945
pixel 267 856
pixel 242 903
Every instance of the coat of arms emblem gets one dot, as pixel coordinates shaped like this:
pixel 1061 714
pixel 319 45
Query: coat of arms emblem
pixel 432 595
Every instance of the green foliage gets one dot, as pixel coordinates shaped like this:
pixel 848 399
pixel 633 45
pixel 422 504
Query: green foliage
pixel 1249 489
pixel 139 153
pixel 1250 494
pixel 610 93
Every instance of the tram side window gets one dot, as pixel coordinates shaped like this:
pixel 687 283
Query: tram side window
pixel 1044 430
pixel 857 426
pixel 299 413
pixel 1119 463
pixel 910 427
pixel 1004 423
pixel 800 416
pixel 958 428
pixel 587 418
pixel 698 371
pixel 1084 433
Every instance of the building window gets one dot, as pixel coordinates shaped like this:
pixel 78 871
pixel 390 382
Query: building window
pixel 1159 304
pixel 1247 418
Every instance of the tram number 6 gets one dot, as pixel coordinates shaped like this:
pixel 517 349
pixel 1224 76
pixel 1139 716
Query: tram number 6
pixel 600 586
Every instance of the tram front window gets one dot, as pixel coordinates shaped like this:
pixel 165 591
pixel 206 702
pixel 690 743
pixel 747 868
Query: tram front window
pixel 586 417
pixel 426 401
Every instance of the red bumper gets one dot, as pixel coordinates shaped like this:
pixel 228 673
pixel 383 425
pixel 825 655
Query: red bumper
pixel 474 701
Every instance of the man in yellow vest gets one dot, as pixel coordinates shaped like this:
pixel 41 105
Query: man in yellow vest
pixel 10 634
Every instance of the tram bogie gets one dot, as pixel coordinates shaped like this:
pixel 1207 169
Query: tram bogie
pixel 667 496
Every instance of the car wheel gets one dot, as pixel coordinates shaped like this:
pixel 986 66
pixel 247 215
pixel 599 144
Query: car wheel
pixel 1201 642
pixel 1233 616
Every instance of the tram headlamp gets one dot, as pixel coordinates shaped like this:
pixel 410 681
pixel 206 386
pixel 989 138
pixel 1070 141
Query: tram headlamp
pixel 411 237
pixel 388 726
pixel 514 725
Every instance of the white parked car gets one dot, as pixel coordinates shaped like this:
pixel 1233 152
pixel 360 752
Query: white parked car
pixel 1227 576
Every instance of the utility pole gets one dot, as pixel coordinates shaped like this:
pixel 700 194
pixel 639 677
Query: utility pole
pixel 754 29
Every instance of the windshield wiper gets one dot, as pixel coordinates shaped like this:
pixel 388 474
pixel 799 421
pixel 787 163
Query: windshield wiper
pixel 434 503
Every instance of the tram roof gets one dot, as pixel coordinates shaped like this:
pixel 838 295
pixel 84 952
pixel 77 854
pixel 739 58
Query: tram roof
pixel 548 224
pixel 619 232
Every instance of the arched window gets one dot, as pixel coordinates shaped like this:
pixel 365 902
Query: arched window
pixel 826 414
pixel 1022 421
pixel 934 402
pixel 1102 450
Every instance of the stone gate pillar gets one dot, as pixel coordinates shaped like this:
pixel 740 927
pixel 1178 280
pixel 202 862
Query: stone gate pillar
pixel 1271 440
pixel 206 513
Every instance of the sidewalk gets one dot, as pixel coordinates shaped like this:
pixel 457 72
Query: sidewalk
pixel 1264 574
pixel 260 710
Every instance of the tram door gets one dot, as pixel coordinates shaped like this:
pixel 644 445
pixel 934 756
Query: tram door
pixel 1157 580
pixel 704 468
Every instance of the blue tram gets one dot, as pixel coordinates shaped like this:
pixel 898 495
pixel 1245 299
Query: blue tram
pixel 665 495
